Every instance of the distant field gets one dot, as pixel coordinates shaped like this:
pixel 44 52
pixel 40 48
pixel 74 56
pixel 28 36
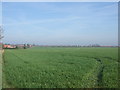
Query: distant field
pixel 61 67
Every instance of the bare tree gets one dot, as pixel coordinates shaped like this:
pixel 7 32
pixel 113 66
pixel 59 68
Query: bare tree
pixel 1 36
pixel 1 33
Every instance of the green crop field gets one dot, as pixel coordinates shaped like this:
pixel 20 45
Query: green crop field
pixel 0 68
pixel 61 67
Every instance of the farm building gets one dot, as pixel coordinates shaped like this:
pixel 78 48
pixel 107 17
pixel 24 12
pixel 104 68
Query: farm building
pixel 20 45
pixel 6 46
pixel 24 45
pixel 9 46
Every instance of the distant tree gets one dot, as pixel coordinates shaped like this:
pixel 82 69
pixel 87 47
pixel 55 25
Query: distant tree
pixel 1 36
pixel 1 32
pixel 28 45
pixel 16 47
pixel 33 45
pixel 95 45
pixel 24 46
pixel 2 45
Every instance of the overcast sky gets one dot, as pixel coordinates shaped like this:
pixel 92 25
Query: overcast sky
pixel 61 23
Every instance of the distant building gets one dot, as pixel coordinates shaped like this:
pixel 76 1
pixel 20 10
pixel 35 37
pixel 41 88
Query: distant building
pixel 20 45
pixel 24 45
pixel 9 46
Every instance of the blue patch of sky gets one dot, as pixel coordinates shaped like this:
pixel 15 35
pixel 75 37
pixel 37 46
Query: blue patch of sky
pixel 0 12
pixel 63 23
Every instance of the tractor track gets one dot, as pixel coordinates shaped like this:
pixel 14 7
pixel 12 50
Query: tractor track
pixel 101 69
pixel 100 73
pixel 25 62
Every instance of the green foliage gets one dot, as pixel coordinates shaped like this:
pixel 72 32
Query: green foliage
pixel 16 47
pixel 25 47
pixel 60 67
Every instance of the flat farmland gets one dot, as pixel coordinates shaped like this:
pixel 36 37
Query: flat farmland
pixel 61 67
pixel 0 68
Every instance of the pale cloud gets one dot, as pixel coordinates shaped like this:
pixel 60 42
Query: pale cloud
pixel 23 20
pixel 108 9
pixel 29 22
